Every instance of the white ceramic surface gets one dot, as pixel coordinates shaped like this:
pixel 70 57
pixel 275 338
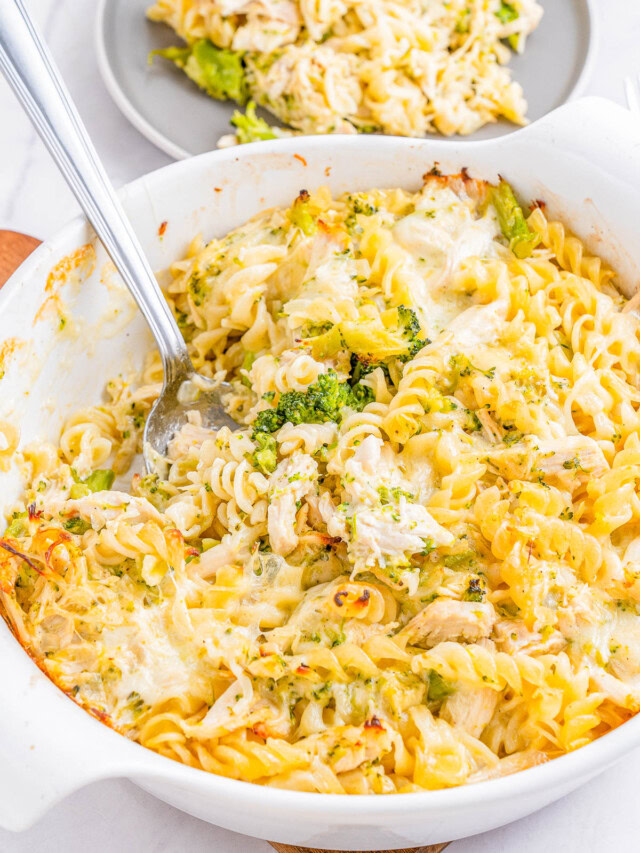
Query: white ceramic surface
pixel 49 746
pixel 181 120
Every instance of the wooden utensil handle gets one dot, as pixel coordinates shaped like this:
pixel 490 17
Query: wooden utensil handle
pixel 14 249
pixel 288 848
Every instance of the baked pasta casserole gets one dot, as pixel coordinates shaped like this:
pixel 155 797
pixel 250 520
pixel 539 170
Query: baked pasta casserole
pixel 415 563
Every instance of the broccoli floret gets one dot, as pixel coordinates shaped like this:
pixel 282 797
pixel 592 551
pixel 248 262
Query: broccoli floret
pixel 408 322
pixel 507 13
pixel 265 455
pixel 218 71
pixel 460 366
pixel 328 396
pixel 18 526
pixel 438 688
pixel 250 128
pixel 98 481
pixel 522 240
pixel 409 328
pixel 76 525
pixel 268 420
pixel 361 396
pixel 301 216
pixel 361 366
pixel 321 402
pixel 294 407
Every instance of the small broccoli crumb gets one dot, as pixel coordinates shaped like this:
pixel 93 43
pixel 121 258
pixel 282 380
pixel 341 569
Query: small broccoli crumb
pixel 250 128
pixel 265 455
pixel 76 525
pixel 438 688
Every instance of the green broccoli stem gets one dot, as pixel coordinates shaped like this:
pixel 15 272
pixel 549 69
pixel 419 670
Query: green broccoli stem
pixel 250 128
pixel 220 72
pixel 513 224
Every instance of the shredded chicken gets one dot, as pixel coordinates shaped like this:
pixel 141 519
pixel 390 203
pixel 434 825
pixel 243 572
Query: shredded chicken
pixel 565 462
pixel 100 507
pixel 346 747
pixel 479 324
pixel 470 708
pixel 512 636
pixel 293 479
pixel 445 619
pixel 189 436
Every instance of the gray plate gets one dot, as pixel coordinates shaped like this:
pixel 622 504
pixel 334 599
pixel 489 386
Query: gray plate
pixel 181 120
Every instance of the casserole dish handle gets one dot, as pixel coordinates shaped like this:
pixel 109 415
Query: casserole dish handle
pixel 589 150
pixel 47 755
pixel 591 129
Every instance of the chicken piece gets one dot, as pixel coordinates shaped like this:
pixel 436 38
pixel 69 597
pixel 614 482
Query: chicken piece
pixel 510 764
pixel 192 434
pixel 490 429
pixel 390 532
pixel 574 452
pixel 620 693
pixel 566 462
pixel 479 324
pixel 470 708
pixel 223 554
pixel 445 619
pixel 624 662
pixel 584 620
pixel 513 636
pixel 100 507
pixel 346 747
pixel 462 184
pixel 293 480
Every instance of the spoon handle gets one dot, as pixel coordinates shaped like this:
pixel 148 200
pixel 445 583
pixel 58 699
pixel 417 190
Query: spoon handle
pixel 33 76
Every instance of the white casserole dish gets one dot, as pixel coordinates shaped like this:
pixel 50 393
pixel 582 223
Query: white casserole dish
pixel 583 161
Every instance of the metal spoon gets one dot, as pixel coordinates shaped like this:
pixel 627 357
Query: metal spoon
pixel 33 76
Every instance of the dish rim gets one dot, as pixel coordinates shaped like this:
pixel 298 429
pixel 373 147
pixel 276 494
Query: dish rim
pixel 162 142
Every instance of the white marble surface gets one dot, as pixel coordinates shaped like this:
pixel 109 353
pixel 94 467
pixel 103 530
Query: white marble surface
pixel 116 815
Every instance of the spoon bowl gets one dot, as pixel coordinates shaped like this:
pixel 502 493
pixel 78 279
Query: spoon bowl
pixel 186 399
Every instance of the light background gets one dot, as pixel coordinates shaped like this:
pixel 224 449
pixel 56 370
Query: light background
pixel 116 815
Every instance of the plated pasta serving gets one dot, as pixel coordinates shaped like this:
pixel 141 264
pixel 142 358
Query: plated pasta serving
pixel 415 563
pixel 343 66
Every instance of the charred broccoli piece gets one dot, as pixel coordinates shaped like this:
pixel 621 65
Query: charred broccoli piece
pixel 301 216
pixel 361 366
